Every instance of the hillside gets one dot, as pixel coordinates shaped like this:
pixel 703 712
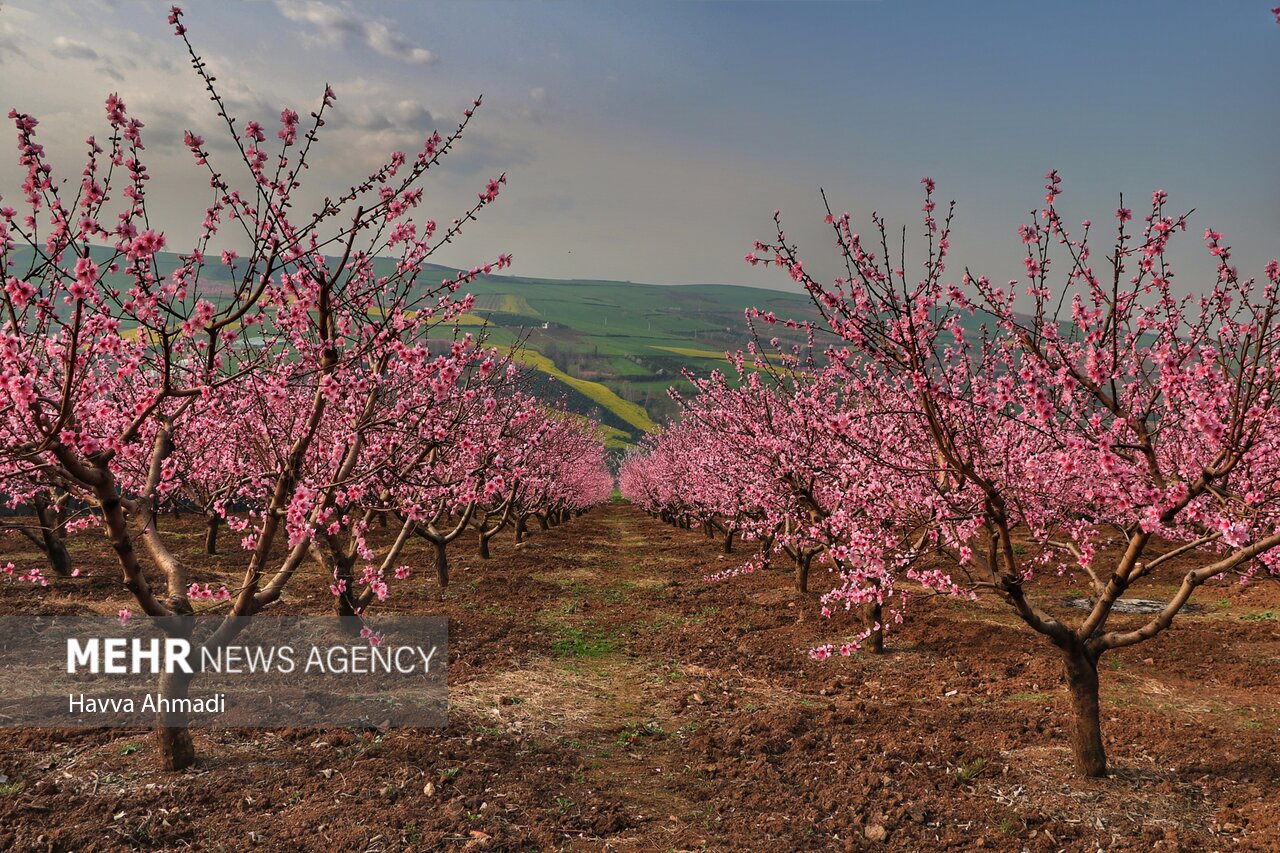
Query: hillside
pixel 610 348
pixel 617 346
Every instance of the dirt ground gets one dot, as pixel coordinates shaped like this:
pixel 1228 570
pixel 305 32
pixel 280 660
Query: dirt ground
pixel 605 697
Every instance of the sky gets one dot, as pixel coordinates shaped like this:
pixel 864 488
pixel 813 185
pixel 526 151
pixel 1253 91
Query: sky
pixel 652 141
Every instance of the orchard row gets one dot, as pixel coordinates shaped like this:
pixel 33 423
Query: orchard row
pixel 962 437
pixel 298 385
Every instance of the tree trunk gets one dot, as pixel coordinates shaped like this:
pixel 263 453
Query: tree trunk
pixel 173 736
pixel 522 527
pixel 728 542
pixel 211 525
pixel 442 564
pixel 803 561
pixel 344 608
pixel 344 603
pixel 875 642
pixel 59 557
pixel 55 544
pixel 542 520
pixel 484 545
pixel 1081 669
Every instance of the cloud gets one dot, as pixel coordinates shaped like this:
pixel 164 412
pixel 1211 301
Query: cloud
pixel 65 48
pixel 489 154
pixel 9 45
pixel 341 24
pixel 411 115
pixel 537 107
pixel 110 73
pixel 375 114
pixel 384 41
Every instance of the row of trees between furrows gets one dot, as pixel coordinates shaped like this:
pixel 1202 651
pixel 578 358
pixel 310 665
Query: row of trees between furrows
pixel 970 439
pixel 300 390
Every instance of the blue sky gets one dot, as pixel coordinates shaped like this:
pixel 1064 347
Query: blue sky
pixel 652 141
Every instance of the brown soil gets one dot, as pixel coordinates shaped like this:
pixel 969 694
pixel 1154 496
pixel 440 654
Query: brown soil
pixel 604 696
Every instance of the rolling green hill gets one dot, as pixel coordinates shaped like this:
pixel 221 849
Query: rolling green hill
pixel 619 345
pixel 611 349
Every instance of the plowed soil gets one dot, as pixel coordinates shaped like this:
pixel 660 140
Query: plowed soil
pixel 604 696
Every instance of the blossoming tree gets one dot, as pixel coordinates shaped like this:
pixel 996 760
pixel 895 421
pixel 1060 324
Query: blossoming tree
pixel 1116 425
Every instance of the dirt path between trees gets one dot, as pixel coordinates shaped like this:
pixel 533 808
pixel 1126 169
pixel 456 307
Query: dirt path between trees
pixel 605 697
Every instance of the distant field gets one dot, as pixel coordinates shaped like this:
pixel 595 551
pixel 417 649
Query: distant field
pixel 689 352
pixel 594 391
pixel 505 303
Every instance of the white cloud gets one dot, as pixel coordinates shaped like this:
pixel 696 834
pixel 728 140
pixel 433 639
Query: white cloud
pixel 9 45
pixel 537 107
pixel 379 37
pixel 411 115
pixel 65 48
pixel 375 114
pixel 110 73
pixel 342 24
